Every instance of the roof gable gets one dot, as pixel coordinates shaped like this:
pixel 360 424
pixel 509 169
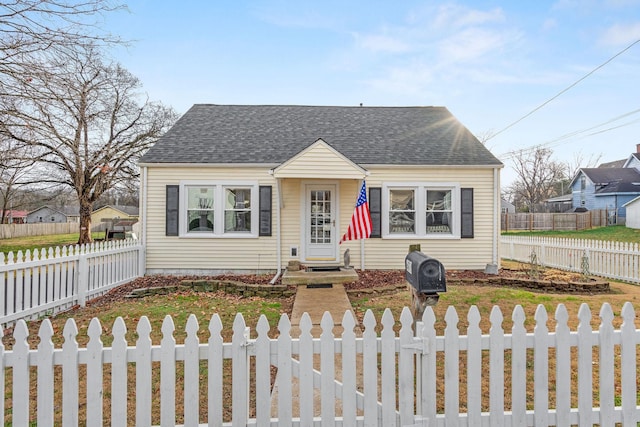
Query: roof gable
pixel 47 208
pixel 634 159
pixel 317 156
pixel 126 210
pixel 271 135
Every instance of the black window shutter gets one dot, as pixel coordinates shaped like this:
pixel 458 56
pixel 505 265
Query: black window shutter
pixel 172 210
pixel 375 208
pixel 265 210
pixel 466 210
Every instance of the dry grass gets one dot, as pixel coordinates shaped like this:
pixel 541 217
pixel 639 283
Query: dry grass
pixel 180 304
pixel 485 298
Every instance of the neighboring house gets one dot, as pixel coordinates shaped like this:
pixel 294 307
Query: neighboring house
pixel 614 164
pixel 507 207
pixel 559 204
pixel 633 213
pixel 49 214
pixel 634 159
pixel 72 213
pixel 606 188
pixel 13 216
pixel 250 188
pixel 111 213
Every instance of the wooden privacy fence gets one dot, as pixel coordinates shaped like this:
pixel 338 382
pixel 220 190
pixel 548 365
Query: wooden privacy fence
pixel 544 378
pixel 10 231
pixel 614 260
pixel 554 221
pixel 48 281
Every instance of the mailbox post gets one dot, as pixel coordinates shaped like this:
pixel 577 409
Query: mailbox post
pixel 426 277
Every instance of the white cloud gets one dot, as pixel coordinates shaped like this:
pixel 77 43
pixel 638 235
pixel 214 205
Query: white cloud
pixel 621 3
pixel 621 34
pixel 406 80
pixel 382 43
pixel 549 24
pixel 453 16
pixel 471 44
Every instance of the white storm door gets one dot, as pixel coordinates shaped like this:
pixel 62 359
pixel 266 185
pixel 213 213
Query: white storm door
pixel 320 222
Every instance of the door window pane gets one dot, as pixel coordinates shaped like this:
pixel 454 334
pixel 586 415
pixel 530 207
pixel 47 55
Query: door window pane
pixel 320 217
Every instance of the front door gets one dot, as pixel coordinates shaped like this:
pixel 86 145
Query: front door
pixel 320 222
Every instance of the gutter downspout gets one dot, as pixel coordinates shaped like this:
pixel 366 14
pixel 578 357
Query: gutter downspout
pixel 496 216
pixel 143 220
pixel 278 236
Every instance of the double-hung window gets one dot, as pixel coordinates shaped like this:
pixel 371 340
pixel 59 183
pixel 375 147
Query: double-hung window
pixel 412 210
pixel 219 209
pixel 200 209
pixel 237 209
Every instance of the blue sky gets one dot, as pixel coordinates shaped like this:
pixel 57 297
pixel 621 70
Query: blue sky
pixel 489 62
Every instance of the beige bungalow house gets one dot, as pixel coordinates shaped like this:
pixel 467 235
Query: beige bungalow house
pixel 234 188
pixel 110 213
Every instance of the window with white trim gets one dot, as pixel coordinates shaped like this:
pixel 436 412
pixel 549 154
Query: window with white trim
pixel 421 210
pixel 200 209
pixel 237 210
pixel 219 209
pixel 402 211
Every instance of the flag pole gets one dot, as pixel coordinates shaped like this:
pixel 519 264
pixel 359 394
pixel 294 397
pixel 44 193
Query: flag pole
pixel 361 243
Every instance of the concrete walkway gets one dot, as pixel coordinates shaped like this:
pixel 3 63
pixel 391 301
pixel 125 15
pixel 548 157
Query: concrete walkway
pixel 317 300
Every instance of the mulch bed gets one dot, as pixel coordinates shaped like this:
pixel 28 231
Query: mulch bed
pixel 368 279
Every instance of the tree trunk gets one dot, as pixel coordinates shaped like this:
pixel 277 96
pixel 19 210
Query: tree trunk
pixel 85 222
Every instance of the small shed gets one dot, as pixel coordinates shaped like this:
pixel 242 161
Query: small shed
pixel 633 213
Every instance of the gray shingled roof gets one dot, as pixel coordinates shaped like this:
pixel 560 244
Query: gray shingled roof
pixel 614 164
pixel 272 134
pixel 609 175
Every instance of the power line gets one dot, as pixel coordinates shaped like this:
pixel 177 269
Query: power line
pixel 557 141
pixel 565 90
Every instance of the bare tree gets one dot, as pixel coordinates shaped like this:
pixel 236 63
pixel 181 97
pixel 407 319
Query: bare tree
pixel 87 122
pixel 15 165
pixel 537 176
pixel 31 28
pixel 579 161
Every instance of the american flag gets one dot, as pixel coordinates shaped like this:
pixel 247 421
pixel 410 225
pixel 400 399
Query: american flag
pixel 360 226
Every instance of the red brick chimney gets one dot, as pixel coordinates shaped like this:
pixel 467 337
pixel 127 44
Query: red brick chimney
pixel 637 148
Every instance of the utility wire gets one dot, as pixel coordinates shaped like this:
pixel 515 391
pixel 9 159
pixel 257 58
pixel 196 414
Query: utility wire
pixel 557 141
pixel 565 90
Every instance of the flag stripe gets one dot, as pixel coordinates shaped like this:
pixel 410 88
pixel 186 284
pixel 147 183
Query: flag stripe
pixel 360 225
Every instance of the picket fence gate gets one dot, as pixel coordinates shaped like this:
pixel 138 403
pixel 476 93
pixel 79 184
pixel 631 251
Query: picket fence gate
pixel 613 260
pixel 362 379
pixel 46 281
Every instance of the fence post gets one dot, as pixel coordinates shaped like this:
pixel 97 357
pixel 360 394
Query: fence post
pixel 83 278
pixel 142 261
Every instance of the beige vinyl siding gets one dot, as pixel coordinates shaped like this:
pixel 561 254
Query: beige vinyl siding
pixel 476 253
pixel 319 161
pixel 203 255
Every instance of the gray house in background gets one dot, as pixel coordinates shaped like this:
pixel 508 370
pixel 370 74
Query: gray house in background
pixel 51 215
pixel 608 187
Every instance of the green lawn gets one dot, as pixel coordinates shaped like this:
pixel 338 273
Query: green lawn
pixel 613 232
pixel 38 242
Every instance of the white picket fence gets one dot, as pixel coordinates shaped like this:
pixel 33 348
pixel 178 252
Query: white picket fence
pixel 613 260
pixel 48 281
pixel 357 379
